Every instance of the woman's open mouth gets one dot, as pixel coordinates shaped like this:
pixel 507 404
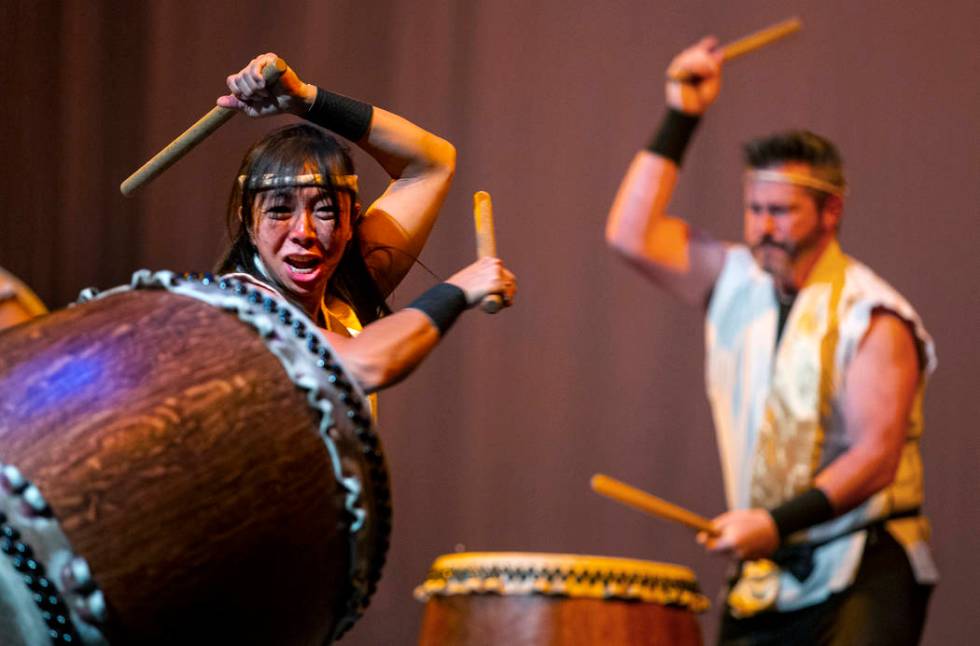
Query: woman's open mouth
pixel 303 268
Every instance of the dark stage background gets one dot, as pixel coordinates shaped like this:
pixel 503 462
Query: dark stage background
pixel 492 442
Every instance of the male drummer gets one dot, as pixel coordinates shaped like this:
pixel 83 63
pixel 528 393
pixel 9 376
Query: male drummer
pixel 815 373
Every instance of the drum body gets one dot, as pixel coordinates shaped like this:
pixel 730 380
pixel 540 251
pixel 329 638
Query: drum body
pixel 186 462
pixel 529 599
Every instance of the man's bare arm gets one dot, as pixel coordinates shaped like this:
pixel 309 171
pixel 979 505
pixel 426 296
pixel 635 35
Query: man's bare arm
pixel 665 248
pixel 879 391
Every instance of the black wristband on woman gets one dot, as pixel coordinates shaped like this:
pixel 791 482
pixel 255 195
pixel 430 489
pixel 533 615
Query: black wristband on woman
pixel 442 304
pixel 348 117
pixel 810 508
pixel 674 134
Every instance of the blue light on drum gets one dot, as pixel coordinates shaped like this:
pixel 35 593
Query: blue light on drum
pixel 61 381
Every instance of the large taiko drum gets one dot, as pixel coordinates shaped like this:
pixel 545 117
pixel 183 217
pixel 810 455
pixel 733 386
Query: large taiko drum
pixel 184 461
pixel 524 599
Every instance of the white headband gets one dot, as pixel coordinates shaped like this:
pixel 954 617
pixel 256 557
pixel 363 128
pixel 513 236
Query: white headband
pixel 270 180
pixel 797 179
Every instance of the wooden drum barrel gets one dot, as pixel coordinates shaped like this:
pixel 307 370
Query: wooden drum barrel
pixel 516 599
pixel 184 461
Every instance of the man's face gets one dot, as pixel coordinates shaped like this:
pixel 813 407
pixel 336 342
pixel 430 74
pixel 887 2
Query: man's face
pixel 782 223
pixel 301 234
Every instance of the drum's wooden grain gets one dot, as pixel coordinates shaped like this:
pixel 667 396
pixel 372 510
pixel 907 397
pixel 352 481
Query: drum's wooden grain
pixel 532 620
pixel 184 465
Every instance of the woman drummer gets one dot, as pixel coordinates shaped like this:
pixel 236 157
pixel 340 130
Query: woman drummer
pixel 299 230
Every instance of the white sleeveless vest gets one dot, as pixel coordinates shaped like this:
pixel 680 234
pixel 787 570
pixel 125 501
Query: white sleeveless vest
pixel 777 410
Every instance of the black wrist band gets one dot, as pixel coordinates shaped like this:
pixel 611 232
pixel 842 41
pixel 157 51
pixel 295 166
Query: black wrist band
pixel 810 508
pixel 348 117
pixel 442 304
pixel 674 134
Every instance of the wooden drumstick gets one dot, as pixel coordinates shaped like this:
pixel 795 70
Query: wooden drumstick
pixel 645 502
pixel 752 42
pixel 761 38
pixel 192 137
pixel 486 243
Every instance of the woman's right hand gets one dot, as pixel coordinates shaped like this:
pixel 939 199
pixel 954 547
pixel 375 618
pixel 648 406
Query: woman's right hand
pixel 250 95
pixel 484 277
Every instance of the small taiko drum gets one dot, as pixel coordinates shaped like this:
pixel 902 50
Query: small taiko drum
pixel 184 460
pixel 17 302
pixel 514 599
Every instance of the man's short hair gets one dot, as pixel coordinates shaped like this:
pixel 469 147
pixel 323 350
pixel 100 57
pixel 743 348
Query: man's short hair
pixel 798 146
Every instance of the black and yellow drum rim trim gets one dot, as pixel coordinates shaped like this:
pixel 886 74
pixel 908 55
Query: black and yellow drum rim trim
pixel 563 575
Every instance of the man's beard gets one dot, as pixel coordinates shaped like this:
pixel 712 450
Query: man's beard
pixel 777 258
pixel 774 257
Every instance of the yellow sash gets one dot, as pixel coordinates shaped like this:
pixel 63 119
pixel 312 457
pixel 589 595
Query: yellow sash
pixel 341 319
pixel 791 438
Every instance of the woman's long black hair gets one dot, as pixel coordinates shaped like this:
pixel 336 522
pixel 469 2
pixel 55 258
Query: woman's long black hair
pixel 295 150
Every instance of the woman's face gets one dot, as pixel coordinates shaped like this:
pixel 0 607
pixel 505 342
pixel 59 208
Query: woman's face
pixel 301 233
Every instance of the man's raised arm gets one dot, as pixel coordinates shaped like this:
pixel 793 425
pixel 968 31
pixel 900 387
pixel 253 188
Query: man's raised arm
pixel 665 248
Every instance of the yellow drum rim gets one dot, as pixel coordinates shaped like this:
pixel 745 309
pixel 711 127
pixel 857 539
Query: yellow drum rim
pixel 563 575
pixel 12 287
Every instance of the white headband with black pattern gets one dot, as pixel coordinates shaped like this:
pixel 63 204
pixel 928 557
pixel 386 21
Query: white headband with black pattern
pixel 271 180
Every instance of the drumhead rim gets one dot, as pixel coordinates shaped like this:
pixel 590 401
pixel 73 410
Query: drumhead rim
pixel 562 575
pixel 571 562
pixel 21 293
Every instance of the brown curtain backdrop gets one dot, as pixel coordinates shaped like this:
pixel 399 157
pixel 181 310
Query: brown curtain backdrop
pixel 492 442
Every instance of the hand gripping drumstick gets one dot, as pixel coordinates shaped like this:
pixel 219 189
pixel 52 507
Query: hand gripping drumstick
pixel 753 42
pixel 632 497
pixel 486 243
pixel 192 137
